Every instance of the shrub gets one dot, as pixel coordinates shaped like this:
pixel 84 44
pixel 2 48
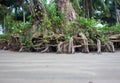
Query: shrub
pixel 4 36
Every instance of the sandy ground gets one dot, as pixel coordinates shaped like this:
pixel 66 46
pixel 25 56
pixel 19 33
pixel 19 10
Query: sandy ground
pixel 18 67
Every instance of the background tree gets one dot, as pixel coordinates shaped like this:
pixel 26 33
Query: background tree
pixel 114 11
pixel 4 11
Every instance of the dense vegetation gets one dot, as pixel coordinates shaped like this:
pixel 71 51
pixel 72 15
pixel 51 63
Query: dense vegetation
pixel 63 26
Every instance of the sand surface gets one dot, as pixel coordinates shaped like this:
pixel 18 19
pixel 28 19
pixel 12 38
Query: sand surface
pixel 18 67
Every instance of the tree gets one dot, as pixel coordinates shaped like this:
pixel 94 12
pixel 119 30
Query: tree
pixel 114 11
pixel 65 7
pixel 4 11
pixel 90 6
pixel 36 8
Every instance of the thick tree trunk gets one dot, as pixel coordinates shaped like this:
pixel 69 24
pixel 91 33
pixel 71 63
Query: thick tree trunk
pixel 65 7
pixel 36 8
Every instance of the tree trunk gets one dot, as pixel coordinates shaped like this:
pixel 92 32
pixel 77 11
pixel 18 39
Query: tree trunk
pixel 66 8
pixel 87 8
pixel 16 15
pixel 23 11
pixel 39 10
pixel 118 15
pixel 117 12
pixel 4 30
pixel 36 8
pixel 91 8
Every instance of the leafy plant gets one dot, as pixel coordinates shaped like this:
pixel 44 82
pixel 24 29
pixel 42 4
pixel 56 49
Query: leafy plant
pixel 5 36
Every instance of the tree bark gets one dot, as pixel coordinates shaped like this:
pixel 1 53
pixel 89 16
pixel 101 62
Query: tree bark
pixel 38 10
pixel 23 11
pixel 87 8
pixel 66 8
pixel 98 46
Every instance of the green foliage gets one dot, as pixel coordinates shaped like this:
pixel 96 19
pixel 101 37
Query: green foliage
pixel 23 29
pixel 88 27
pixel 106 31
pixel 3 11
pixel 114 28
pixel 77 6
pixel 26 41
pixel 54 21
pixel 88 24
pixel 9 23
pixel 56 18
pixel 5 36
pixel 30 18
pixel 47 23
pixel 71 29
pixel 19 27
pixel 13 26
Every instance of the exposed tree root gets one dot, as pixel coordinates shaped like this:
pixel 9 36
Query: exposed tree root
pixel 81 42
pixel 57 43
pixel 110 47
pixel 25 49
pixel 3 44
pixel 45 50
pixel 59 48
pixel 71 48
pixel 63 47
pixel 98 46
